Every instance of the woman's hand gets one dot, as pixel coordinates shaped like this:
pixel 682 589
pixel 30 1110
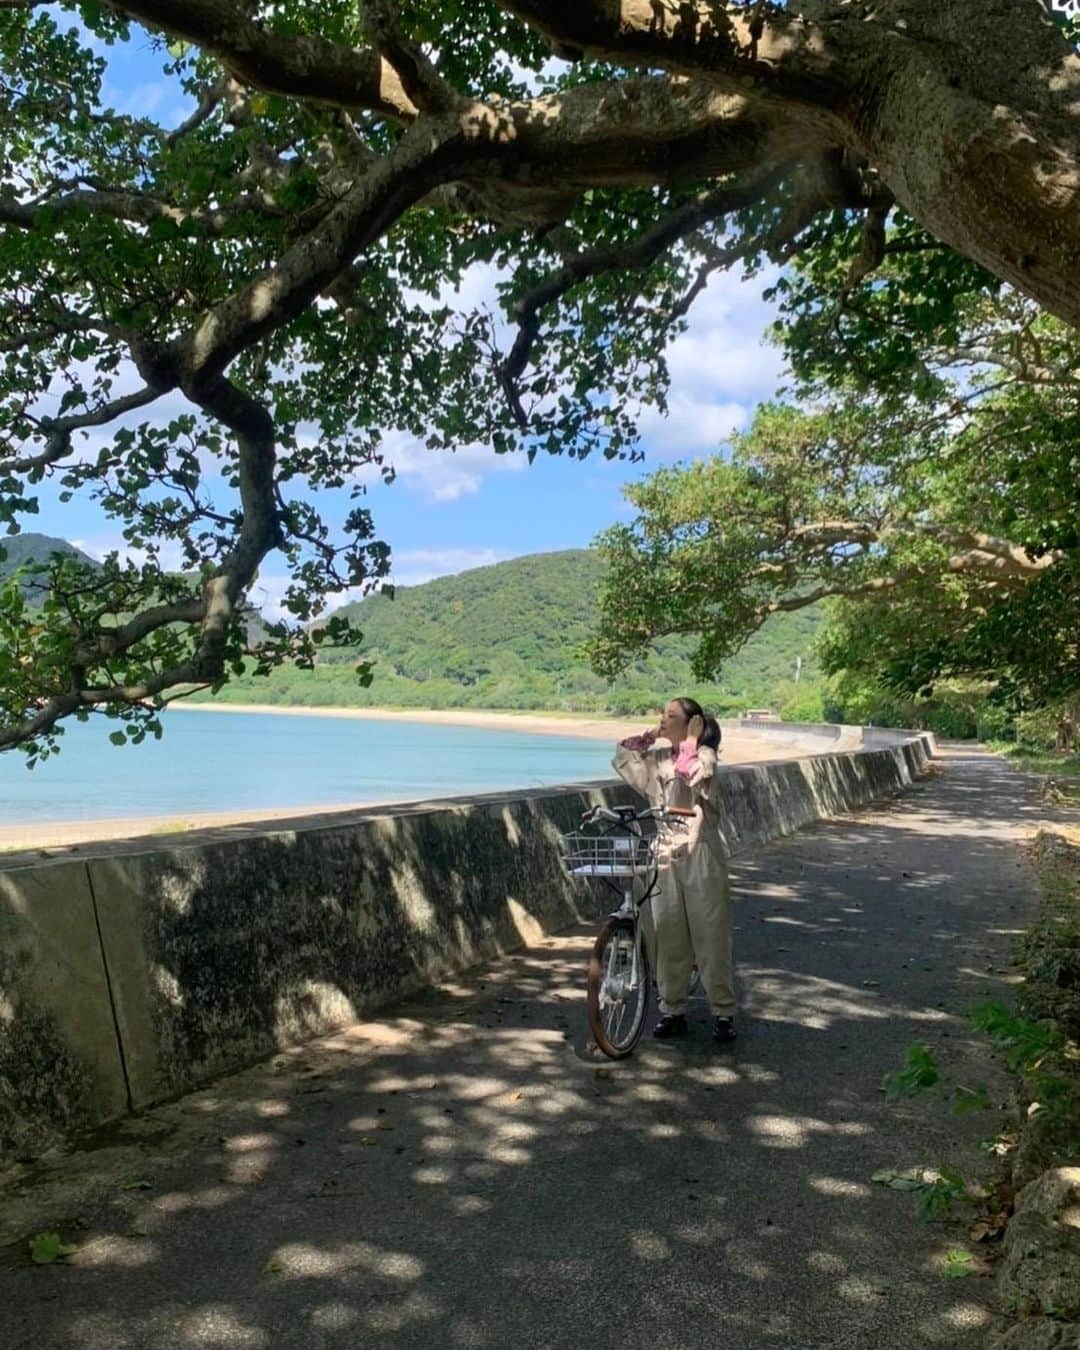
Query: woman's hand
pixel 694 729
pixel 640 743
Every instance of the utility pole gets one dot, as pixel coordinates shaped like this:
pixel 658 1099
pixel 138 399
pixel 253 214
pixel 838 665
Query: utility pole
pixel 798 668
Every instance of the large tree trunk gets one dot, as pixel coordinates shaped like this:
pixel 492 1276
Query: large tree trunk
pixel 972 117
pixel 968 109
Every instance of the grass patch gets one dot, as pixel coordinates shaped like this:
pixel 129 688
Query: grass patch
pixel 1050 1000
pixel 1060 768
pixel 1052 947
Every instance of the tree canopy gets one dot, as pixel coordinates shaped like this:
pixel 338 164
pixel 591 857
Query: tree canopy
pixel 927 479
pixel 237 306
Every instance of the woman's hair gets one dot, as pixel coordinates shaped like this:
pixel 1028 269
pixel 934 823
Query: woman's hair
pixel 711 735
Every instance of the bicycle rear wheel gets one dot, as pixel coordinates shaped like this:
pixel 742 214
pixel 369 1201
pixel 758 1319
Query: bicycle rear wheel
pixel 618 988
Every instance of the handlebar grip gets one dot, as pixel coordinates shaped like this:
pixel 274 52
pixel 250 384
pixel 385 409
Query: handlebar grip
pixel 602 813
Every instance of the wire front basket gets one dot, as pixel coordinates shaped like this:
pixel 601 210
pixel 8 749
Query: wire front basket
pixel 608 855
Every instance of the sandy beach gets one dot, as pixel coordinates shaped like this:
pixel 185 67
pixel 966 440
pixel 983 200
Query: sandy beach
pixel 539 724
pixel 70 834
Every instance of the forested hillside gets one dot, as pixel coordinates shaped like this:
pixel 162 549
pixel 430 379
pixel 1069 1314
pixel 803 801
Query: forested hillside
pixel 507 636
pixel 23 549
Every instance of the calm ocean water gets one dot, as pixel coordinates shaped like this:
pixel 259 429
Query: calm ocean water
pixel 210 761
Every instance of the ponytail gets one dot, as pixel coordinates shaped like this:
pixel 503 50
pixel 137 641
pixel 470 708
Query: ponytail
pixel 710 736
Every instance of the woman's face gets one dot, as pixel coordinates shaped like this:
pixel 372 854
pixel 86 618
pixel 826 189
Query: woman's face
pixel 673 722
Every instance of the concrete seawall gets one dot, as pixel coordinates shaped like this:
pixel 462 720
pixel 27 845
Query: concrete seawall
pixel 144 970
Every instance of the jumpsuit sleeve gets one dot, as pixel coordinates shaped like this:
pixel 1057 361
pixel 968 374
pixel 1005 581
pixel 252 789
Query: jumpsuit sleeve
pixel 702 773
pixel 633 767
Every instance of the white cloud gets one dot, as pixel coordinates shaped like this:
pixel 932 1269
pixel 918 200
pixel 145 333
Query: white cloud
pixel 144 100
pixel 720 369
pixel 443 475
pixel 170 555
pixel 724 360
pixel 411 567
pixel 692 428
pixel 476 289
pixel 551 69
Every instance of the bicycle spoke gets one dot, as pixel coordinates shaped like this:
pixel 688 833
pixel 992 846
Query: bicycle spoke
pixel 622 993
pixel 618 988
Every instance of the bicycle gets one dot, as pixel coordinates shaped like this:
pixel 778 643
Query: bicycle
pixel 625 852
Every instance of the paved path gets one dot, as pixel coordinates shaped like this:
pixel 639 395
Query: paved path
pixel 462 1173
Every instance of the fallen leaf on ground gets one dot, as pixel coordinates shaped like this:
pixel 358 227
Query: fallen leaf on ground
pixel 960 1264
pixel 989 1228
pixel 45 1248
pixel 898 1181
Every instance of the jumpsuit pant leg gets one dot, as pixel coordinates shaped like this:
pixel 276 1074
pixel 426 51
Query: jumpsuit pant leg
pixel 691 914
pixel 707 902
pixel 674 951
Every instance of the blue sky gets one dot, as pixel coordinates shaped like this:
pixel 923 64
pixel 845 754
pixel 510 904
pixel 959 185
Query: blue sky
pixel 447 512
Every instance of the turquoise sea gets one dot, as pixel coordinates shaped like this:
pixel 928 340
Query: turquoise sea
pixel 217 761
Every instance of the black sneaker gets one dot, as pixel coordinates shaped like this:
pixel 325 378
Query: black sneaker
pixel 670 1026
pixel 723 1030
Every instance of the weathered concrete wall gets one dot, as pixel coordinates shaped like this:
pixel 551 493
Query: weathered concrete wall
pixel 60 1066
pixel 141 973
pixel 221 954
pixel 765 801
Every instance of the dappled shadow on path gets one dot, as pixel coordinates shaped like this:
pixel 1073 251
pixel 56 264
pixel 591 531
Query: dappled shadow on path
pixel 463 1172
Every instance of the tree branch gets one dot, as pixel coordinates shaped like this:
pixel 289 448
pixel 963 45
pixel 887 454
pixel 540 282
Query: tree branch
pixel 210 99
pixel 299 65
pixel 58 430
pixel 426 155
pixel 778 243
pixel 788 603
pixel 138 207
pixel 422 83
pixel 635 256
pixel 260 529
pixel 720 42
pixel 984 552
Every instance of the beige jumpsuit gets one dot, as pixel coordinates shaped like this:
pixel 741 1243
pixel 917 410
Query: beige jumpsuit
pixel 691 908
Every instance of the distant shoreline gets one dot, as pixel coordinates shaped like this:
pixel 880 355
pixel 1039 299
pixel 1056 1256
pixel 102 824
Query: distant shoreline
pixel 593 728
pixel 70 835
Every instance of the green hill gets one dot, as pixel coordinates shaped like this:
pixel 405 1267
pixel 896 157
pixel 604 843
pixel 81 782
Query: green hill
pixel 507 636
pixel 24 549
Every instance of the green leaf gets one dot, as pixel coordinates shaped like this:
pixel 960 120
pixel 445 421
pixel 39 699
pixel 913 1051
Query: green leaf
pixel 971 1099
pixel 47 1248
pixel 919 1073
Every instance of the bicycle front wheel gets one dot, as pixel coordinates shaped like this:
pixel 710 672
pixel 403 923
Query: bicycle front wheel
pixel 618 988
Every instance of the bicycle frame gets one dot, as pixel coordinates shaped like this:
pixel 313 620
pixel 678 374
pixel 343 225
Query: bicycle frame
pixel 627 861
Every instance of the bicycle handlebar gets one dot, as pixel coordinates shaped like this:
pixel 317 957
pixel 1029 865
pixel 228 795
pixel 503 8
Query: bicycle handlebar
pixel 625 815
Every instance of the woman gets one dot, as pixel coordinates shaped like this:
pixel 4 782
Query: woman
pixel 675 767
